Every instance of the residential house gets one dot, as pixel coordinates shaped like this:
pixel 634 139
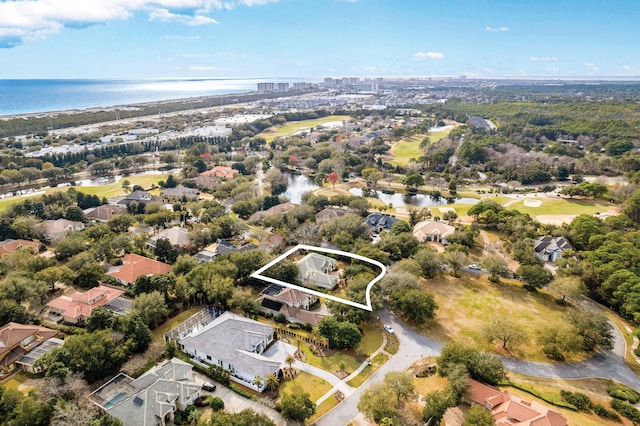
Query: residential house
pixel 329 214
pixel 176 236
pixel 138 197
pixel 510 410
pixel 207 182
pixel 104 212
pixel 19 340
pixel 134 266
pixel 220 248
pixel 275 210
pixel 180 193
pixel 223 172
pixel 237 344
pixel 315 269
pixel 11 246
pixel 379 222
pixel 550 249
pixel 152 398
pixel 431 230
pixel 76 307
pixel 57 229
pixel 294 304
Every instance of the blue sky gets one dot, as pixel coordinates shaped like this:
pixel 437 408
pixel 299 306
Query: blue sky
pixel 318 38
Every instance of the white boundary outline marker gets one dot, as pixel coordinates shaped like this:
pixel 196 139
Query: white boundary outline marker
pixel 258 274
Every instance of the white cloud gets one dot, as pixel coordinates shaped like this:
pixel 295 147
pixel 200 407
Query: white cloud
pixel 427 55
pixel 551 69
pixel 182 37
pixel 203 68
pixel 543 58
pixel 164 15
pixel 626 67
pixel 496 30
pixel 23 20
pixel 591 66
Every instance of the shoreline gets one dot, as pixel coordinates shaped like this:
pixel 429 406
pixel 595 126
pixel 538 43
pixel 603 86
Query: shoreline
pixel 29 123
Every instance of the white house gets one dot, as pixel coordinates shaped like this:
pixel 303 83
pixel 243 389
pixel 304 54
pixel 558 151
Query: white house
pixel 237 344
pixel 431 230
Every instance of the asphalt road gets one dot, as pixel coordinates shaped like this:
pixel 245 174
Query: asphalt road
pixel 604 364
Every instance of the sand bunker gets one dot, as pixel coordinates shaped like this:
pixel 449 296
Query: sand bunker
pixel 555 219
pixel 532 203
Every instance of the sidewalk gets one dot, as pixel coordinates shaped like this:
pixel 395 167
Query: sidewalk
pixel 341 385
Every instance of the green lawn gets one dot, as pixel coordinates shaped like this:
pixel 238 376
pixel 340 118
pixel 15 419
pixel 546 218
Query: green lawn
pixel 331 363
pixel 376 363
pixel 109 190
pixel 305 382
pixel 562 207
pixel 15 381
pixel 466 304
pixel 405 150
pixel 392 345
pixel 371 340
pixel 159 332
pixel 297 126
pixel 322 409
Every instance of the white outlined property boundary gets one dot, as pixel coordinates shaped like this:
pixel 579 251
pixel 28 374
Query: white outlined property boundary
pixel 258 274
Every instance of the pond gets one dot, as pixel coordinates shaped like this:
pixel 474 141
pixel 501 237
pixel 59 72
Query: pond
pixel 418 200
pixel 298 185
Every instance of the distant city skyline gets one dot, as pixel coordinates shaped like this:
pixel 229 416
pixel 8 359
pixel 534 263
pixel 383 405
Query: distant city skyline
pixel 304 39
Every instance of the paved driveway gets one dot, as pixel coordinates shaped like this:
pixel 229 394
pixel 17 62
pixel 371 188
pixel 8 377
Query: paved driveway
pixel 235 403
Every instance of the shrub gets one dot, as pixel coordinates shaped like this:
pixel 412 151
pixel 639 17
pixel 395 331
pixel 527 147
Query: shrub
pixel 579 400
pixel 624 393
pixel 605 413
pixel 240 391
pixel 216 403
pixel 626 409
pixel 219 374
pixel 280 319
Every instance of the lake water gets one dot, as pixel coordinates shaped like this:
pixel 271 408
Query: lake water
pixel 418 200
pixel 298 185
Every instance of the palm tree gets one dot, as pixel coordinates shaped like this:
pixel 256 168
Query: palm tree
pixel 290 360
pixel 272 382
pixel 257 381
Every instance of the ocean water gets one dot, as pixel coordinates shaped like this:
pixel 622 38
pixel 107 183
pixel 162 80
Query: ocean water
pixel 29 96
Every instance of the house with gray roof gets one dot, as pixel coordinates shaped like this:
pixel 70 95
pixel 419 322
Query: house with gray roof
pixel 315 269
pixel 550 249
pixel 176 236
pixel 180 193
pixel 139 197
pixel 379 222
pixel 237 344
pixel 151 399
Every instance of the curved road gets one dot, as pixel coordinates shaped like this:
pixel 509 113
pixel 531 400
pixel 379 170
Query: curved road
pixel 604 364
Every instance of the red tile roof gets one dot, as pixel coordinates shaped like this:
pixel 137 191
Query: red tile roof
pixel 11 246
pixel 80 304
pixel 220 171
pixel 135 266
pixel 13 334
pixel 510 410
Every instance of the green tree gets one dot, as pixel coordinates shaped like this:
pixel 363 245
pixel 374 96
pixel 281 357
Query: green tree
pixel 376 402
pixel 400 383
pixel 595 329
pixel 455 259
pixel 535 276
pixel 100 319
pixel 505 330
pixel 436 405
pixel 478 416
pixel 165 251
pixel 246 417
pixel 151 307
pixel 497 267
pixel 413 181
pixel 567 287
pixel 430 261
pixel 297 407
pixel 415 305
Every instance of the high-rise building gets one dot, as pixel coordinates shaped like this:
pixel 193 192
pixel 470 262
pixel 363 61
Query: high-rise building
pixel 266 87
pixel 283 87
